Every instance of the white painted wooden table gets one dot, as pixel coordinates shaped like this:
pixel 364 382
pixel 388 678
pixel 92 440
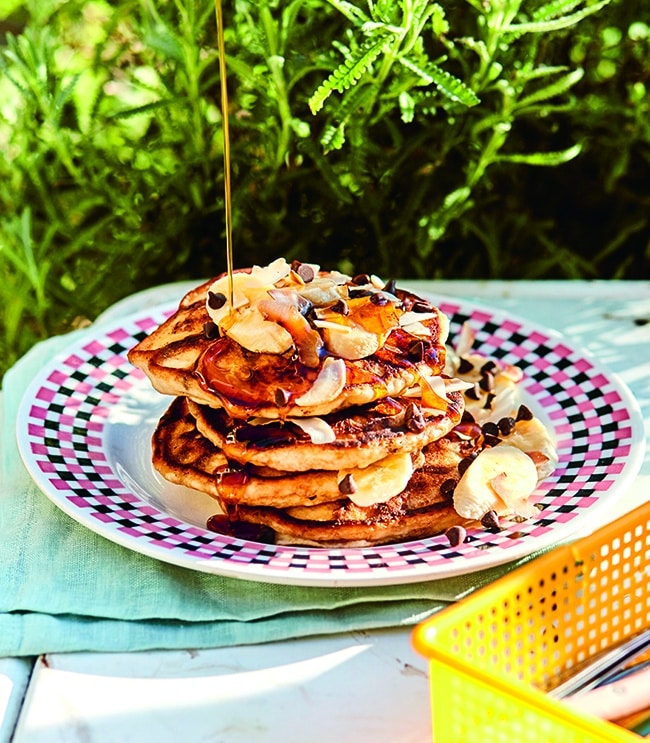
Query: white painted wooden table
pixel 351 687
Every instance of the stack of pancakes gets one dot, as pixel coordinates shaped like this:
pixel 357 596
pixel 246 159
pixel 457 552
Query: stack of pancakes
pixel 315 408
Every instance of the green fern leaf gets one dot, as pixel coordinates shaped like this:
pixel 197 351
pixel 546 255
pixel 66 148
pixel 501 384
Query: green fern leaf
pixel 350 11
pixel 433 226
pixel 327 172
pixel 526 75
pixel 451 87
pixel 555 8
pixel 333 137
pixel 353 102
pixel 407 107
pixel 66 92
pixel 556 24
pixel 544 159
pixel 137 110
pixel 348 73
pixel 565 83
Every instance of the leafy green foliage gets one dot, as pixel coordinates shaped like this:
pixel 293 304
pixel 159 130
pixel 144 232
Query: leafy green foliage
pixel 407 137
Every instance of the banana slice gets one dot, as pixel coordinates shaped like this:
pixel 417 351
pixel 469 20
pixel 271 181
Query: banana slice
pixel 533 438
pixel 253 332
pixel 500 479
pixel 350 342
pixel 378 482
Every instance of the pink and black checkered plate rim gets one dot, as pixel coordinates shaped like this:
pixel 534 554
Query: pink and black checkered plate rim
pixel 593 416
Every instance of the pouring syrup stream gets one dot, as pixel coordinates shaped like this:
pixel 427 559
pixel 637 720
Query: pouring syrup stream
pixel 226 146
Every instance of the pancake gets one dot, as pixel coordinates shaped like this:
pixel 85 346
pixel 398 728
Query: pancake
pixel 425 508
pixel 296 342
pixel 325 410
pixel 308 507
pixel 183 456
pixel 358 436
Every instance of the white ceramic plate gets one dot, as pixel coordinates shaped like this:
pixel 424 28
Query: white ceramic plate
pixel 85 423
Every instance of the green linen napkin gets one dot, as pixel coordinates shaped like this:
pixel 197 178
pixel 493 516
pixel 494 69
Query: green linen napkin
pixel 65 588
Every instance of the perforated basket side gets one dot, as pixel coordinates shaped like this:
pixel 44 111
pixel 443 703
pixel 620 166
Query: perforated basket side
pixel 471 706
pixel 531 628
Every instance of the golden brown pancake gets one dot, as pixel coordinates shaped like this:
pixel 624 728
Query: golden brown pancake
pixel 324 410
pixel 183 456
pixel 423 509
pixel 189 355
pixel 313 511
pixel 363 435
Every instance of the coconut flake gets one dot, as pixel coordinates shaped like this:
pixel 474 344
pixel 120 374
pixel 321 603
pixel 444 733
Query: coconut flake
pixel 327 386
pixel 332 325
pixel 513 373
pixel 417 329
pixel 433 393
pixel 465 339
pixel 407 318
pixel 271 274
pixel 318 430
pixel 456 385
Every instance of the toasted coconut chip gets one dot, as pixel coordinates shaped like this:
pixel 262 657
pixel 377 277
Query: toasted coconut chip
pixel 328 385
pixel 433 393
pixel 465 339
pixel 457 385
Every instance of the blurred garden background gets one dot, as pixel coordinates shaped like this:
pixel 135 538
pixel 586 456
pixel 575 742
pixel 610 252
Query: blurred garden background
pixel 468 139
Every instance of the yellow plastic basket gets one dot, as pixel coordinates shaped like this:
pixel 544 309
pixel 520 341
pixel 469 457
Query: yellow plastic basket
pixel 492 655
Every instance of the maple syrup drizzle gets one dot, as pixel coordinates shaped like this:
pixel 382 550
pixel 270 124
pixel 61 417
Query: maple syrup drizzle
pixel 226 147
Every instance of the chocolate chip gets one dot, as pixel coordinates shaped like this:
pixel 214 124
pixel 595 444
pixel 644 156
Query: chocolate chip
pixel 210 330
pixel 347 486
pixel 360 279
pixel 413 418
pixel 305 271
pixel 488 366
pixel 390 287
pixel 281 397
pixel 340 307
pixel 488 401
pixel 467 417
pixel 216 300
pixel 506 425
pixel 486 382
pixel 474 393
pixel 491 521
pixel 490 429
pixel 417 350
pixel 447 487
pixel 421 305
pixel 491 440
pixel 524 413
pixel 465 463
pixel 379 299
pixel 358 293
pixel 465 366
pixel 456 535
